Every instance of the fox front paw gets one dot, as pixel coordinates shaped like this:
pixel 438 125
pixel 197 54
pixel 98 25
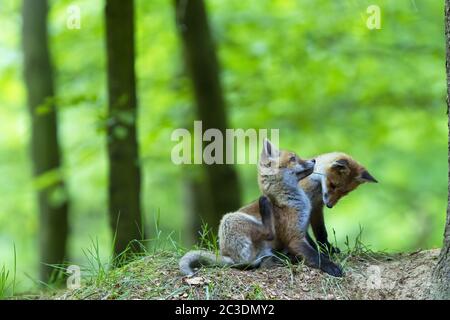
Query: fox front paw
pixel 332 269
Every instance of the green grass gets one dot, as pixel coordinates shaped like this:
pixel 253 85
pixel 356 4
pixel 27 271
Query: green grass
pixel 8 284
pixel 256 293
pixel 208 239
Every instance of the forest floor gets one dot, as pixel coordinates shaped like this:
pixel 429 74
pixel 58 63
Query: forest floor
pixel 368 275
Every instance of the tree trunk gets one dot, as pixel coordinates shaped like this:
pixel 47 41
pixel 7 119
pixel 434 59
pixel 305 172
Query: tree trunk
pixel 201 61
pixel 124 167
pixel 45 152
pixel 197 203
pixel 441 273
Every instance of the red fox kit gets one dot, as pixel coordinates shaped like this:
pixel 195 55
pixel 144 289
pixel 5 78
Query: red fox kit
pixel 291 207
pixel 249 235
pixel 337 175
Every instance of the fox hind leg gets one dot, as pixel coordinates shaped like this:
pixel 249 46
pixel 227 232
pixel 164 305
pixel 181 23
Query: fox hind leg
pixel 243 238
pixel 266 212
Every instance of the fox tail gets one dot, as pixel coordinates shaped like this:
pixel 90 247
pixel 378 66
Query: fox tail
pixel 198 258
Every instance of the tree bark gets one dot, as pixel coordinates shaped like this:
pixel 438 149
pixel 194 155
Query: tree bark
pixel 441 273
pixel 197 203
pixel 203 67
pixel 124 167
pixel 45 153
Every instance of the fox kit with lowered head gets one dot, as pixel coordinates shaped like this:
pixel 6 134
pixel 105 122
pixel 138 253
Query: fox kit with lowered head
pixel 335 175
pixel 279 220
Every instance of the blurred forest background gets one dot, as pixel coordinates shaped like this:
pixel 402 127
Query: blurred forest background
pixel 310 68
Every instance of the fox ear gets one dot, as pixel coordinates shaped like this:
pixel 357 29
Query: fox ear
pixel 341 165
pixel 365 176
pixel 269 150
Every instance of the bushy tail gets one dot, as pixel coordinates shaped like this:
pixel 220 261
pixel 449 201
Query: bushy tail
pixel 197 258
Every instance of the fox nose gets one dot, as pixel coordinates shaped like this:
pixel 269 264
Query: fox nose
pixel 313 161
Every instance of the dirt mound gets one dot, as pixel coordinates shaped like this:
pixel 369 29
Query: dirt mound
pixel 367 276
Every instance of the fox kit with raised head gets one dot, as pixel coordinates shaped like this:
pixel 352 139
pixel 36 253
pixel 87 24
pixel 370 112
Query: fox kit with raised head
pixel 291 206
pixel 335 175
pixel 244 241
pixel 279 220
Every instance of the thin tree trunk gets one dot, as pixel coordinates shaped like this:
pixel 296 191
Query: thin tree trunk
pixel 202 65
pixel 44 135
pixel 197 203
pixel 124 167
pixel 441 274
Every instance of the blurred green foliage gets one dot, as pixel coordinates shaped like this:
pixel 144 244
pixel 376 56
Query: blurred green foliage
pixel 310 68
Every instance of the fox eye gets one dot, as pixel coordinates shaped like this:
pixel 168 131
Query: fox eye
pixel 293 159
pixel 332 186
